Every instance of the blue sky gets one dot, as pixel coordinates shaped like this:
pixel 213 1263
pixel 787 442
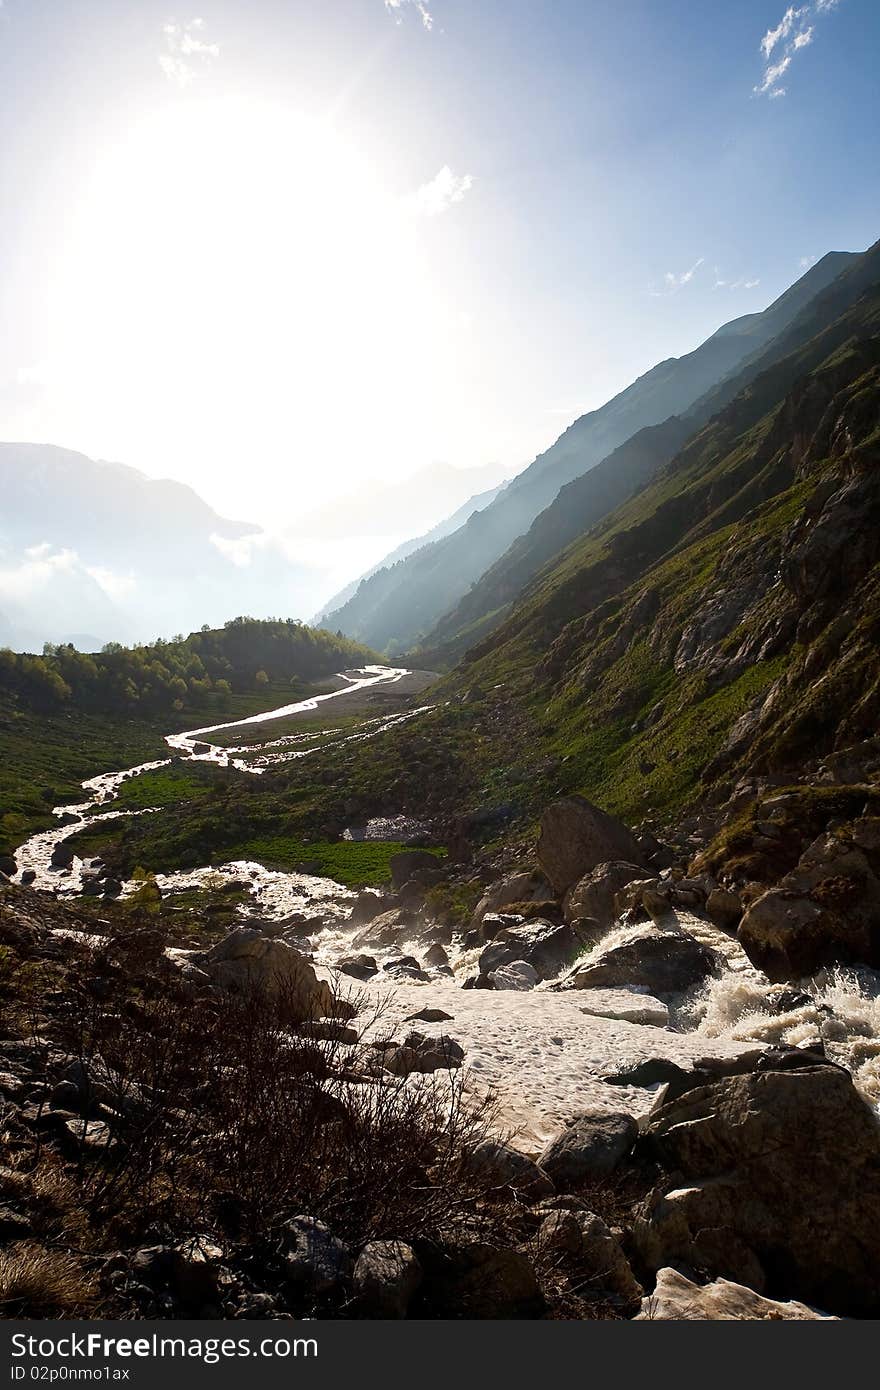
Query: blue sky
pixel 308 244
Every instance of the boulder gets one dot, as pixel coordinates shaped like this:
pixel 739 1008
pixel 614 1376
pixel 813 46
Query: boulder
pixel 88 1136
pixel 723 907
pixel 388 929
pixel 826 910
pixel 8 865
pixel 508 1168
pixel 246 960
pixel 194 1270
pixel 676 1080
pixel 676 1298
pixel 582 1239
pixel 495 922
pixel 386 1277
pixel 663 962
pixel 594 895
pixel 331 1030
pixel 62 855
pixel 575 837
pixel 546 947
pixel 517 888
pixel 314 1260
pixel 518 975
pixel 436 955
pixel 414 865
pixel 476 1280
pixel 411 894
pixel 360 967
pixel 367 905
pixel 592 1145
pixel 28 876
pixel 496 954
pixel 775 1183
pixel 421 1054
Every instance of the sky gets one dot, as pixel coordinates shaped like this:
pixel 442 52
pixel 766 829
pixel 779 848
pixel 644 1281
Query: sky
pixel 283 250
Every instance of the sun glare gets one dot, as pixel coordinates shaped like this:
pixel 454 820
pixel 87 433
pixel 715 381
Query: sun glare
pixel 241 270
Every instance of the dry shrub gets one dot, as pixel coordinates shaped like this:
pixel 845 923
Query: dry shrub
pixel 374 1155
pixel 37 1282
pixel 219 1112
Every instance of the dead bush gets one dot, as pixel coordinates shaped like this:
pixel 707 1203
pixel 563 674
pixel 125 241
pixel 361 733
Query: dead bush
pixel 36 1282
pixel 217 1112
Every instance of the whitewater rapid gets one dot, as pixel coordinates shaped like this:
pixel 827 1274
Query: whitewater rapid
pixel 545 1054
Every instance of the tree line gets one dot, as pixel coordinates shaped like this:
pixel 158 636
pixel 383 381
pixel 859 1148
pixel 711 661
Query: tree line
pixel 204 668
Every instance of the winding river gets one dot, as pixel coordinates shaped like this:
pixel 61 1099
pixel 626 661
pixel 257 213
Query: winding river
pixel 34 857
pixel 542 1054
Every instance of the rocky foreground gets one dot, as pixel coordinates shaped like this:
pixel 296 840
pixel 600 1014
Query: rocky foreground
pixel 623 1087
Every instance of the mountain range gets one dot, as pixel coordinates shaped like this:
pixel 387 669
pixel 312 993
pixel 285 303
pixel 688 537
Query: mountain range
pixel 402 606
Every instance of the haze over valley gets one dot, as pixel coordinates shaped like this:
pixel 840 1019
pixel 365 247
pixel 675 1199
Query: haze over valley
pixel 439 756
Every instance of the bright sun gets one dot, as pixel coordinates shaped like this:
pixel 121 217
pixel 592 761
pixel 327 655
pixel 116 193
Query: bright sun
pixel 238 270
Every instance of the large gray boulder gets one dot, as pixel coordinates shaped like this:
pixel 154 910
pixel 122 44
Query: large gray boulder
pixel 516 888
pixel 248 961
pixel 518 975
pixel 644 956
pixel 677 1299
pixel 774 1182
pixel 826 910
pixel 575 837
pixel 506 1167
pixel 360 967
pixel 594 895
pixel 592 1146
pixel 543 945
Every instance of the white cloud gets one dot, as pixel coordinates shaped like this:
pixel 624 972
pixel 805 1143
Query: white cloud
pixel 788 21
pixel 792 34
pixel 743 283
pixel 185 50
pixel 36 571
pixel 115 586
pixel 772 75
pixel 444 189
pixel 396 7
pixel 673 282
pixel 806 261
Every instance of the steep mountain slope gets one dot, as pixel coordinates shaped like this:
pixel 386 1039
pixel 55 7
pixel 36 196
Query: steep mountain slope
pixel 576 507
pixel 583 503
pixel 436 533
pixel 409 599
pixel 725 620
